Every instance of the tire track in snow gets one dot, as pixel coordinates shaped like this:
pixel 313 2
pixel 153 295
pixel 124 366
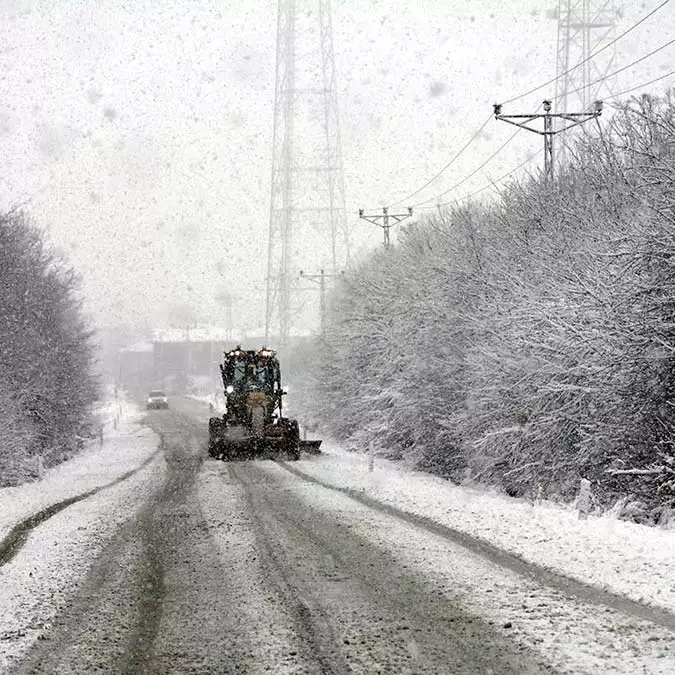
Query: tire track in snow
pixel 17 536
pixel 311 623
pixel 358 609
pixel 567 585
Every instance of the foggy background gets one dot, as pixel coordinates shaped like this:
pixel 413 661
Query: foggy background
pixel 139 133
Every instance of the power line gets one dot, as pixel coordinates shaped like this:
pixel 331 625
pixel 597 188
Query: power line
pixel 529 159
pixel 537 88
pixel 492 183
pixel 474 172
pixel 620 70
pixel 574 118
pixel 503 176
pixel 448 165
pixel 590 56
pixel 644 84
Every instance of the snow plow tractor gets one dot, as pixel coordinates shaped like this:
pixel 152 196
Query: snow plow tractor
pixel 253 425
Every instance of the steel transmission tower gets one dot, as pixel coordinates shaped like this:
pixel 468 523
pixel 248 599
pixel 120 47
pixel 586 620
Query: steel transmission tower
pixel 584 28
pixel 307 206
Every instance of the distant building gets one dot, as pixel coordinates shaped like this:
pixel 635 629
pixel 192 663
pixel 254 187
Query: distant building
pixel 136 368
pixel 186 360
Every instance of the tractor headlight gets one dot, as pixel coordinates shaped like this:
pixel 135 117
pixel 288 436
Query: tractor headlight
pixel 229 389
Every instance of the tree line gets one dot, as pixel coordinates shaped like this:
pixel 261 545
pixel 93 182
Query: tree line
pixel 47 383
pixel 529 342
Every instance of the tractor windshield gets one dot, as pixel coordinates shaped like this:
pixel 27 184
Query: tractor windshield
pixel 261 375
pixel 239 371
pixel 246 371
pixel 267 374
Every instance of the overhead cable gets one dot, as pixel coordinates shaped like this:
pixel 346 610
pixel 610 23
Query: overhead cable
pixel 492 183
pixel 449 164
pixel 590 56
pixel 474 172
pixel 644 84
pixel 620 70
pixel 537 88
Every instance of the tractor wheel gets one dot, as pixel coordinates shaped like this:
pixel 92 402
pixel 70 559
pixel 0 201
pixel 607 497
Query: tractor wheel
pixel 213 449
pixel 292 440
pixel 217 444
pixel 213 437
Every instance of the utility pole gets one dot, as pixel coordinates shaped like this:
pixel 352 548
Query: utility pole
pixel 321 279
pixel 227 300
pixel 573 119
pixel 383 220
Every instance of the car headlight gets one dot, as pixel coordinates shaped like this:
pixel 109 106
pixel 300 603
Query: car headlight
pixel 229 389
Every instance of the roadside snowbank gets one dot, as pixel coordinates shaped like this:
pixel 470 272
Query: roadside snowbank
pixel 39 580
pixel 126 445
pixel 632 560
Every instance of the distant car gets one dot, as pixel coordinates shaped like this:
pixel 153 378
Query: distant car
pixel 157 399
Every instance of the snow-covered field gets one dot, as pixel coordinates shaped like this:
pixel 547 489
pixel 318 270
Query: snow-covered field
pixel 632 560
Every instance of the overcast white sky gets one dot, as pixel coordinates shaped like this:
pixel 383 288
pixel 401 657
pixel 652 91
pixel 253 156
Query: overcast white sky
pixel 139 133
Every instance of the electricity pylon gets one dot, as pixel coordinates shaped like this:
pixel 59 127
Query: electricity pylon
pixel 308 224
pixel 585 28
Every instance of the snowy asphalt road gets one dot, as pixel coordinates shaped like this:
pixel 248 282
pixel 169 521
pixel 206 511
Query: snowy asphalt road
pixel 247 568
pixel 225 570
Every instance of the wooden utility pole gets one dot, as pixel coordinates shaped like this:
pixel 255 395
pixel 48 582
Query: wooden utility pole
pixel 386 221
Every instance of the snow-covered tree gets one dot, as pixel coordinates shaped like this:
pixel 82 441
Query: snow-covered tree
pixel 530 343
pixel 46 355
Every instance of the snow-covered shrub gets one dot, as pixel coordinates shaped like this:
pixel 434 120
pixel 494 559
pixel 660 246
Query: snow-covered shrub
pixel 532 342
pixel 16 464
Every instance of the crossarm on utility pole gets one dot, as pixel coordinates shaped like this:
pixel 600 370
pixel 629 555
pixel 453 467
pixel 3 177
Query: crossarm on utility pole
pixel 548 132
pixel 382 220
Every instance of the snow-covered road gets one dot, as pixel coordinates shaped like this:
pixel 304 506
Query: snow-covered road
pixel 626 559
pixel 193 565
pixel 42 566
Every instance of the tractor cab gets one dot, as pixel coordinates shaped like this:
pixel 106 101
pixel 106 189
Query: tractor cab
pixel 243 371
